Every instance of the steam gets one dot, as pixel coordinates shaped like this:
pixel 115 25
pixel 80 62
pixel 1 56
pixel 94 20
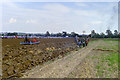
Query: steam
pixel 111 21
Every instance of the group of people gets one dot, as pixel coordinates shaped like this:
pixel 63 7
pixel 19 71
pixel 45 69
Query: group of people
pixel 28 41
pixel 82 41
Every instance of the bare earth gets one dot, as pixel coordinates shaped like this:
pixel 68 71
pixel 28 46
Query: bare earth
pixel 63 67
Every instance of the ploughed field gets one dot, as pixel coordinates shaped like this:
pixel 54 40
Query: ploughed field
pixel 17 58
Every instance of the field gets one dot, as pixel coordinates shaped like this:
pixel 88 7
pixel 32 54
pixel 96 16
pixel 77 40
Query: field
pixel 98 60
pixel 102 61
pixel 60 58
pixel 17 58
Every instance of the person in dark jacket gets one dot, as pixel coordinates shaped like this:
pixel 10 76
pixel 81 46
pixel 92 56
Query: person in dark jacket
pixel 86 41
pixel 26 39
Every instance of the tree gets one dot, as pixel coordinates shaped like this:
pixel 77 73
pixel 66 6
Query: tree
pixel 73 34
pixel 109 33
pixel 59 34
pixel 64 33
pixel 12 34
pixel 69 35
pixel 115 32
pixel 52 35
pixel 29 34
pixel 93 33
pixel 47 33
pixel 3 34
pixel 102 35
pixel 96 35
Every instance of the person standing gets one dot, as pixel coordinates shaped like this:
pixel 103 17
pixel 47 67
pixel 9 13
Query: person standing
pixel 26 39
pixel 79 43
pixel 87 40
pixel 83 42
pixel 34 40
pixel 76 39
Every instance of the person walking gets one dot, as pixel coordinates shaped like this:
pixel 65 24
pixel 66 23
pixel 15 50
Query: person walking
pixel 79 43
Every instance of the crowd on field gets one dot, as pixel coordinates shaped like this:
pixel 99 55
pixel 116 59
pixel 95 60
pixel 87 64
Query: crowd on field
pixel 82 41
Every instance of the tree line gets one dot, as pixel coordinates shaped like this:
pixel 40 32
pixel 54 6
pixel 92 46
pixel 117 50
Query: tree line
pixel 93 34
pixel 47 34
pixel 108 34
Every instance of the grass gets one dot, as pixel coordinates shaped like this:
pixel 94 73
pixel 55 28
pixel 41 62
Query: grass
pixel 98 67
pixel 109 44
pixel 110 39
pixel 112 60
pixel 91 42
pixel 108 60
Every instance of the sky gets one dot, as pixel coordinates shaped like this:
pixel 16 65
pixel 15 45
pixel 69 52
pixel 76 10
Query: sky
pixel 39 17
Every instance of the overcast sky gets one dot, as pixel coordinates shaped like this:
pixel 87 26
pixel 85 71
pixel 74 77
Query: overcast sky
pixel 59 16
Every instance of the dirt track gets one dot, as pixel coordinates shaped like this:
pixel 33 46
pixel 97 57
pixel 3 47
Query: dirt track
pixel 62 67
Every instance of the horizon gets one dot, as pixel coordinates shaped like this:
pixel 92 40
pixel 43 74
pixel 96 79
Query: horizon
pixel 40 32
pixel 52 33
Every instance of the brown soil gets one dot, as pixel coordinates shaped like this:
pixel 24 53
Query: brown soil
pixel 16 58
pixel 104 49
